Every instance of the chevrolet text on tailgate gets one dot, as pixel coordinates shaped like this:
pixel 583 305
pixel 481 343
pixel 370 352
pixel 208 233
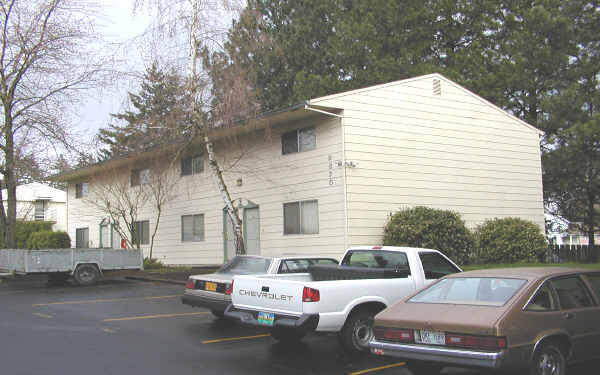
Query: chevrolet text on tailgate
pixel 340 298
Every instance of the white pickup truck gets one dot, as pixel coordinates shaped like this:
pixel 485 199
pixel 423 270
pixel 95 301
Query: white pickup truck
pixel 343 298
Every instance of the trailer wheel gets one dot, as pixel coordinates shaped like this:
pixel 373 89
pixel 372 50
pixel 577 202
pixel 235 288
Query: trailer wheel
pixel 86 274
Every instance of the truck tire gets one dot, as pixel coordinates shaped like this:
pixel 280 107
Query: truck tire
pixel 286 336
pixel 357 332
pixel 86 274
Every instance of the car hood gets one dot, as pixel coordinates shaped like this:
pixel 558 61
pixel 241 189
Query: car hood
pixel 468 319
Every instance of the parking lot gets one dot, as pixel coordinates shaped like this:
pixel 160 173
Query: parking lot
pixel 121 326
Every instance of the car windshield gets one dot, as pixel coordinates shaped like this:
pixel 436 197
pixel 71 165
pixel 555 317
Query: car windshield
pixel 488 291
pixel 241 265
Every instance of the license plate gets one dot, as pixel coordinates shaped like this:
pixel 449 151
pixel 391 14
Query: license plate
pixel 265 318
pixel 211 287
pixel 431 337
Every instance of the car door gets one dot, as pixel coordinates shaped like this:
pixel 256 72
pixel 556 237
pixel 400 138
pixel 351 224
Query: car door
pixel 593 281
pixel 579 313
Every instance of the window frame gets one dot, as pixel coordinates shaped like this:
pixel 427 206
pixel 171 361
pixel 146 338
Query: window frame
pixel 192 170
pixel 427 253
pixel 298 132
pixel 300 214
pixel 80 192
pixel 136 175
pixel 44 209
pixel 586 290
pixel 138 224
pixel 534 294
pixel 193 216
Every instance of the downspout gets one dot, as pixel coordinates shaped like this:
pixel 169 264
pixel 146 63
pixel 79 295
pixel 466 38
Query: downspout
pixel 344 178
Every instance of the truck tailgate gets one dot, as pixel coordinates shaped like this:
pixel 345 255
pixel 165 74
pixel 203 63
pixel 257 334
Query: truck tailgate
pixel 267 294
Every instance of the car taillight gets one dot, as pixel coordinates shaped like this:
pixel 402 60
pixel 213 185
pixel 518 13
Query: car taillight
pixel 394 334
pixel 310 295
pixel 190 284
pixel 376 247
pixel 478 342
pixel 229 288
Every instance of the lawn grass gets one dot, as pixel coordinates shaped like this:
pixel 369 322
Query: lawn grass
pixel 471 267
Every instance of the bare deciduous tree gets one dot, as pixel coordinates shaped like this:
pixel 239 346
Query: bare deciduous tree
pixel 220 93
pixel 45 60
pixel 112 193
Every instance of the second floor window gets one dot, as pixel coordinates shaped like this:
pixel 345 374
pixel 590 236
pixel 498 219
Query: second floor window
pixel 140 176
pixel 81 190
pixel 298 140
pixel 192 165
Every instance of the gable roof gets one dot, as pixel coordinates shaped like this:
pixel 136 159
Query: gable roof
pixel 38 191
pixel 403 82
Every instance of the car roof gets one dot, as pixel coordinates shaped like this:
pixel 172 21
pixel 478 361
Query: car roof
pixel 522 272
pixel 396 248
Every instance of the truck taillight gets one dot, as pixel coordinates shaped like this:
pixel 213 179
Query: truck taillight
pixel 394 334
pixel 477 342
pixel 229 288
pixel 310 295
pixel 190 284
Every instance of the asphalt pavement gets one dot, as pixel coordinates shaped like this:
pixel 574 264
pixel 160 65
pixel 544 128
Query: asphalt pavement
pixel 123 326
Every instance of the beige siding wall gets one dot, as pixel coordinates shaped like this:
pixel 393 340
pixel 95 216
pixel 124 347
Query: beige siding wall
pixel 269 179
pixel 449 151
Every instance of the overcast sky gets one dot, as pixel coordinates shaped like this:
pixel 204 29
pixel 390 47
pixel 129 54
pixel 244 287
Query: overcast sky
pixel 121 29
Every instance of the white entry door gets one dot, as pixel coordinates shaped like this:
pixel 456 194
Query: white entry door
pixel 252 231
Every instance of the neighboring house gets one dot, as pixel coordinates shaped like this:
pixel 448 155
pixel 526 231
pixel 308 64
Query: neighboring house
pixel 326 174
pixel 573 236
pixel 36 201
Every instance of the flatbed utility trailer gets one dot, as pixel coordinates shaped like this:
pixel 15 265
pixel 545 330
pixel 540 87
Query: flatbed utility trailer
pixel 86 266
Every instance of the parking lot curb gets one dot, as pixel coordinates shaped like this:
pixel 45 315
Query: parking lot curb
pixel 149 279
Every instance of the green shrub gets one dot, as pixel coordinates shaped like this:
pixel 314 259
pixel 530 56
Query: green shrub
pixel 24 229
pixel 152 264
pixel 48 240
pixel 430 228
pixel 510 240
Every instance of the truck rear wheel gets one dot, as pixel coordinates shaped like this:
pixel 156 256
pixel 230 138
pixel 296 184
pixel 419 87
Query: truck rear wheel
pixel 357 332
pixel 86 274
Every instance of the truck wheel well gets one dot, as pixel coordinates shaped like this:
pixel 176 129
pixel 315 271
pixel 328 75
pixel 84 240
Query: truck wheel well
pixel 561 339
pixel 372 307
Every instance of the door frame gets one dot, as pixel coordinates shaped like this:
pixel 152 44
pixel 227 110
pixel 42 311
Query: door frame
pixel 241 204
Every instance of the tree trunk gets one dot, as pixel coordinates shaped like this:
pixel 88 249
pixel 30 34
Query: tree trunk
pixel 10 181
pixel 232 211
pixel 2 218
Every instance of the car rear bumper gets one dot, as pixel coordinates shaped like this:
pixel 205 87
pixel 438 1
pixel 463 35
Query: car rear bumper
pixel 461 357
pixel 303 324
pixel 215 304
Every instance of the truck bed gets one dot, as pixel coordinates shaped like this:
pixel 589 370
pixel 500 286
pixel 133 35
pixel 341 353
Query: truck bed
pixel 21 261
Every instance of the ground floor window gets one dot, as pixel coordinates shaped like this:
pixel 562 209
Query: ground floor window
pixel 141 232
pixel 192 228
pixel 40 210
pixel 82 238
pixel 301 217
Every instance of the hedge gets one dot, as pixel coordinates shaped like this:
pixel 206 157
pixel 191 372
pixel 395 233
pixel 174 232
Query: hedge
pixel 49 240
pixel 510 240
pixel 430 228
pixel 24 229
